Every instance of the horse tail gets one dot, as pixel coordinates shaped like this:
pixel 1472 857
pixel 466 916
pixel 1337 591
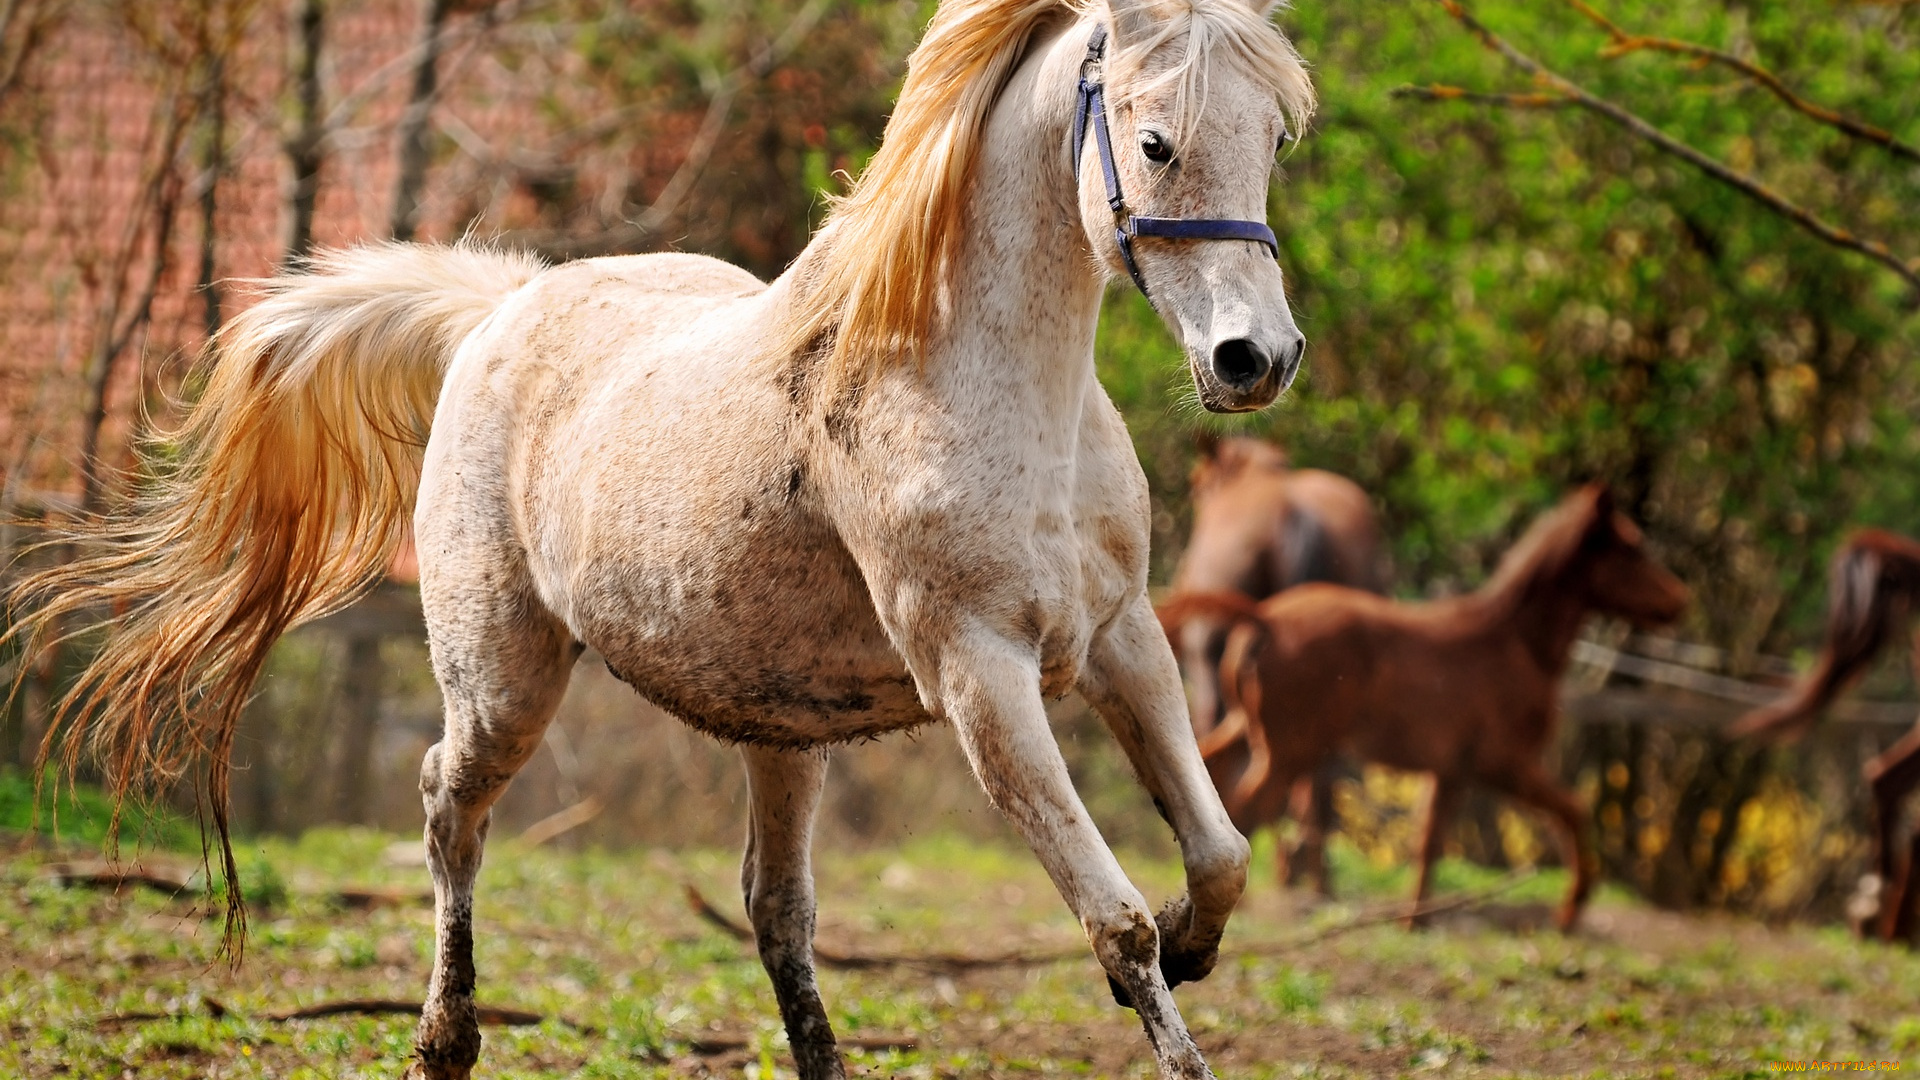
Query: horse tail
pixel 1872 587
pixel 1227 607
pixel 281 498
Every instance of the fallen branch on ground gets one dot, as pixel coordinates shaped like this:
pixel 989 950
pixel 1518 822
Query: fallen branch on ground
pixel 114 878
pixel 369 898
pixel 709 1045
pixel 952 963
pixel 489 1015
pixel 955 963
pixel 1395 913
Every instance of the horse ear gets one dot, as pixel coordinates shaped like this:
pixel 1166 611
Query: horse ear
pixel 1207 443
pixel 1601 523
pixel 1129 21
pixel 1602 501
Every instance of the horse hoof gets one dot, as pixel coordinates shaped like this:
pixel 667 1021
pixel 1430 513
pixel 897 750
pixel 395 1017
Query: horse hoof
pixel 1182 960
pixel 421 1070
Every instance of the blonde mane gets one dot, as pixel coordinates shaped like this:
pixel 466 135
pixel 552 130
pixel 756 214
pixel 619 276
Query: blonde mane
pixel 868 289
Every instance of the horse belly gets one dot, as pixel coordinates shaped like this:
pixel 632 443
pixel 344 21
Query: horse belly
pixel 757 659
pixel 752 624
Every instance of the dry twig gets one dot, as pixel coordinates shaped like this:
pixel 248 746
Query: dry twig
pixel 1749 186
pixel 489 1015
pixel 852 961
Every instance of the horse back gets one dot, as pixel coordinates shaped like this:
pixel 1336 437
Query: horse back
pixel 1330 532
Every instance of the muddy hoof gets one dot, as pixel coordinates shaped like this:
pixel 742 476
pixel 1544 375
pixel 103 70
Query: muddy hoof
pixel 424 1070
pixel 1183 960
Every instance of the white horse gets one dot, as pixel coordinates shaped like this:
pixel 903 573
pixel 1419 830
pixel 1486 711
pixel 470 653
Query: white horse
pixel 882 490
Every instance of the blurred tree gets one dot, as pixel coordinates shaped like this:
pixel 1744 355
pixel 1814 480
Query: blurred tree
pixel 715 126
pixel 1502 301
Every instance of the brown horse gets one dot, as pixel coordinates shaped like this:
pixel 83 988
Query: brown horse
pixel 1462 688
pixel 1873 593
pixel 1260 526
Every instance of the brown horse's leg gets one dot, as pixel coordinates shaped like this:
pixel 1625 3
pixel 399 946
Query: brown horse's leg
pixel 1905 900
pixel 1891 776
pixel 1313 809
pixel 501 674
pixel 1440 803
pixel 1531 785
pixel 776 877
pixel 1202 642
pixel 1244 700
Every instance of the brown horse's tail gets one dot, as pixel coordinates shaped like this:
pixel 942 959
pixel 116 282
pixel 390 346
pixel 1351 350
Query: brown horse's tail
pixel 1226 607
pixel 281 498
pixel 1874 584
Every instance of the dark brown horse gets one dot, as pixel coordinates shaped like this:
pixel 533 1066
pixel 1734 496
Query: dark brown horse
pixel 1873 594
pixel 1464 688
pixel 1260 526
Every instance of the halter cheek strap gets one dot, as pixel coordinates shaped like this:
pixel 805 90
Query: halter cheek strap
pixel 1092 114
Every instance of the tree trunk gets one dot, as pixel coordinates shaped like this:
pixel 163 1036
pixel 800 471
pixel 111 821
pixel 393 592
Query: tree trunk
pixel 414 149
pixel 357 721
pixel 213 162
pixel 305 148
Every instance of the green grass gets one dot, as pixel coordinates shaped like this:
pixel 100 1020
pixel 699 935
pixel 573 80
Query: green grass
pixel 81 815
pixel 632 982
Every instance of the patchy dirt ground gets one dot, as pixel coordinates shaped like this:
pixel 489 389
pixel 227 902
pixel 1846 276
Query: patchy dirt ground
pixel 629 982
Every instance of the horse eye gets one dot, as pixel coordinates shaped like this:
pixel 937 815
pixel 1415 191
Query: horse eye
pixel 1282 144
pixel 1156 147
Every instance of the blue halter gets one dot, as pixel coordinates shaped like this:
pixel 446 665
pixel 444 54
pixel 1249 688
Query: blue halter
pixel 1126 225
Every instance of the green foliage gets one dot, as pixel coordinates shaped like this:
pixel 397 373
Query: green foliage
pixel 81 815
pixel 1503 302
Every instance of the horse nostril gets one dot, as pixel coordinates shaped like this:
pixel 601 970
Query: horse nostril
pixel 1240 364
pixel 1290 359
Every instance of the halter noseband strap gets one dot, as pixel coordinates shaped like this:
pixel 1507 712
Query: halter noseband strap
pixel 1092 112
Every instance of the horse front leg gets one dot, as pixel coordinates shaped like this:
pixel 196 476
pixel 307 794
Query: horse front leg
pixel 989 689
pixel 1131 680
pixel 776 878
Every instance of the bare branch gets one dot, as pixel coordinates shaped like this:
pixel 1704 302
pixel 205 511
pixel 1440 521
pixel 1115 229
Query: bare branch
pixel 712 124
pixel 155 211
pixel 1442 92
pixel 1749 186
pixel 1624 43
pixel 23 26
pixel 455 33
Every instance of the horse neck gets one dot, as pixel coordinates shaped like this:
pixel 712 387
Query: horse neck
pixel 1542 605
pixel 1024 296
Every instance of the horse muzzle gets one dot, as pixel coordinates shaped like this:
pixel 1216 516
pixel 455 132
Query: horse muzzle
pixel 1243 375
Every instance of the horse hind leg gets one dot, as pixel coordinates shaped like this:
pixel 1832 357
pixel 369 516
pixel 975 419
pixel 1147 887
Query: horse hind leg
pixel 502 666
pixel 1441 799
pixel 776 879
pixel 1530 784
pixel 1313 809
pixel 1891 776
